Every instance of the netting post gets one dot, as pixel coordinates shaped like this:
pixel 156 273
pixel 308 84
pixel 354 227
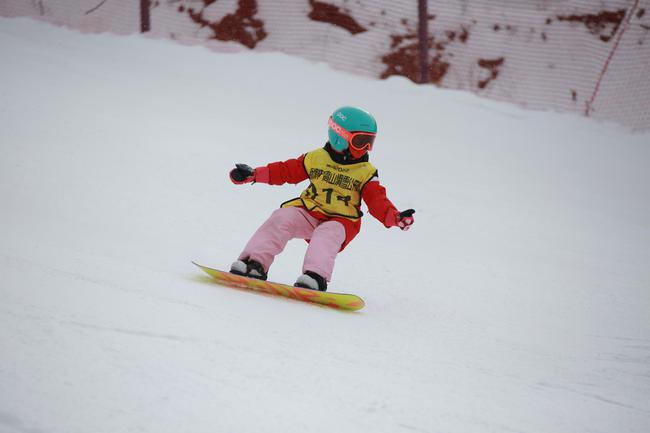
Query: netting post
pixel 589 105
pixel 423 45
pixel 145 17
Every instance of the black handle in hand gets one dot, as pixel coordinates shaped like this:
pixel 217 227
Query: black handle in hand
pixel 406 213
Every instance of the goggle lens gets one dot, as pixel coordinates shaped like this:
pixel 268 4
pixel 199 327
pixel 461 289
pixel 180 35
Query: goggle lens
pixel 362 140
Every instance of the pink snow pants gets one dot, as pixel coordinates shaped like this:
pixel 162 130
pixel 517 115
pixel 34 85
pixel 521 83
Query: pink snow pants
pixel 326 238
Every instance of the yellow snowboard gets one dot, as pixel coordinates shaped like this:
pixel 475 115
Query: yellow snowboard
pixel 340 301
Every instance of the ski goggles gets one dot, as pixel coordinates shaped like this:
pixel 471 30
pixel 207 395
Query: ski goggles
pixel 359 141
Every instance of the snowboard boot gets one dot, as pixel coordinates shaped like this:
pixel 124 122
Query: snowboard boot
pixel 248 268
pixel 311 280
pixel 238 268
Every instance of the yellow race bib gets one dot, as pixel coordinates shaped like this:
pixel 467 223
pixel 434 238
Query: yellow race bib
pixel 334 189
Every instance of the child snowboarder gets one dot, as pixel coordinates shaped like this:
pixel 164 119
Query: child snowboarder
pixel 328 213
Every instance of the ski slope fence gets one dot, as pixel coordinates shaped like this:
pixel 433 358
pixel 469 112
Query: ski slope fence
pixel 591 58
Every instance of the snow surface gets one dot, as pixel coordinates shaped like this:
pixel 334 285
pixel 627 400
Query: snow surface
pixel 519 302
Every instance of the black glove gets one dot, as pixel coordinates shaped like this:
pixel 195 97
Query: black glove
pixel 242 174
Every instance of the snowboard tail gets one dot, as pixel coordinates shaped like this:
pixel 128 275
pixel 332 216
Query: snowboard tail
pixel 339 301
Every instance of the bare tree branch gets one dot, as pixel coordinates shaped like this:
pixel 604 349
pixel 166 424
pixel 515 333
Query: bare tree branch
pixel 96 7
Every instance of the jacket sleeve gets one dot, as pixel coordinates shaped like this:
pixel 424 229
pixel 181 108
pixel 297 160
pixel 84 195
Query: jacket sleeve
pixel 374 194
pixel 279 173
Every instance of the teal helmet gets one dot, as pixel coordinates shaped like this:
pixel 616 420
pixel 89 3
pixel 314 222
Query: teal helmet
pixel 351 119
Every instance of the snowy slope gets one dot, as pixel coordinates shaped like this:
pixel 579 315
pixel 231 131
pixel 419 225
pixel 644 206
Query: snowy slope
pixel 518 303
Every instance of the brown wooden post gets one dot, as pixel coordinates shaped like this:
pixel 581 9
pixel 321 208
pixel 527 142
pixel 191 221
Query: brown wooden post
pixel 423 43
pixel 145 17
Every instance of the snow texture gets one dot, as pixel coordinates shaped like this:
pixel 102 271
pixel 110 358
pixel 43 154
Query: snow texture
pixel 517 303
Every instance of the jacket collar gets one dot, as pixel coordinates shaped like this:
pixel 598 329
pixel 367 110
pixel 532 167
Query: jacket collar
pixel 344 157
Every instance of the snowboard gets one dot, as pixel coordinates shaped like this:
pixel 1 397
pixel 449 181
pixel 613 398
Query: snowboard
pixel 340 301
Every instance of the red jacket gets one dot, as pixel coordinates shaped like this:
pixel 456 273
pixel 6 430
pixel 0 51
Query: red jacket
pixel 293 171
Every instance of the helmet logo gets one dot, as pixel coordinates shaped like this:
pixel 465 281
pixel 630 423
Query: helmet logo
pixel 341 116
